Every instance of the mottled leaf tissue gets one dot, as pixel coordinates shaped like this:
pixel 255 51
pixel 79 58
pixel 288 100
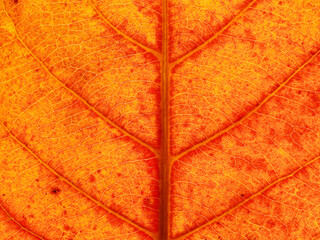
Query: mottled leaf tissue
pixel 159 119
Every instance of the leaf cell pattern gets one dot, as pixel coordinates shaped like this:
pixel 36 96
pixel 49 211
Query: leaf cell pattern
pixel 172 119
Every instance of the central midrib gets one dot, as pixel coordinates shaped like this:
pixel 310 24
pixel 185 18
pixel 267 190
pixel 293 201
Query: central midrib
pixel 165 155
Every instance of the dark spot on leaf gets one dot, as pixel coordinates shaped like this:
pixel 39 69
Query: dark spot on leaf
pixel 55 190
pixel 148 202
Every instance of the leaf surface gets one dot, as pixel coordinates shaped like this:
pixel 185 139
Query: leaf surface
pixel 159 119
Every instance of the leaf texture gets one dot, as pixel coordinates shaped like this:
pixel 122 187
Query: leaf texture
pixel 170 119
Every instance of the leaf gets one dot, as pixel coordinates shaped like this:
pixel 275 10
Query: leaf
pixel 159 120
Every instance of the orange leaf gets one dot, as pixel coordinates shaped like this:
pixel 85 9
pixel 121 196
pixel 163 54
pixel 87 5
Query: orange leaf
pixel 170 119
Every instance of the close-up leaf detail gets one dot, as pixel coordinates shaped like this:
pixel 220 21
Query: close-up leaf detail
pixel 163 120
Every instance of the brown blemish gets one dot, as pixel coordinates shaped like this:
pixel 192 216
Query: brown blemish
pixel 55 190
pixel 147 202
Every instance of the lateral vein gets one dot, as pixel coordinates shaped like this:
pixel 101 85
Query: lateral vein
pixel 217 34
pixel 22 227
pixel 248 199
pixel 62 178
pixel 123 131
pixel 150 50
pixel 237 123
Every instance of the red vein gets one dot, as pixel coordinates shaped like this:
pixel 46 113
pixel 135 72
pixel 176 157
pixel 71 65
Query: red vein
pixel 123 131
pixel 165 158
pixel 240 14
pixel 155 53
pixel 237 123
pixel 75 187
pixel 248 199
pixel 22 227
